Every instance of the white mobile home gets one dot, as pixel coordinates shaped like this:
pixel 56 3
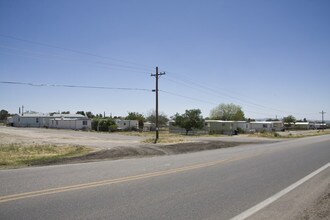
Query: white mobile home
pixel 303 125
pixel 243 126
pixel 30 120
pixel 220 127
pixel 60 121
pixel 127 124
pixel 261 126
pixel 266 126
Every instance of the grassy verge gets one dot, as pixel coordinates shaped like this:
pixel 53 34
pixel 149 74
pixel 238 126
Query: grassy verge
pixel 311 133
pixel 165 137
pixel 291 134
pixel 18 155
pixel 265 134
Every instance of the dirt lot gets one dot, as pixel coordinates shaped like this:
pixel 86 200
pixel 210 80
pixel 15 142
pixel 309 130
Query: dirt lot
pixel 115 145
pixel 66 137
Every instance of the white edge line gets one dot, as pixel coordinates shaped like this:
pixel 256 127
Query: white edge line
pixel 278 195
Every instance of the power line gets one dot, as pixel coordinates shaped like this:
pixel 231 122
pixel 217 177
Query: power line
pixel 42 55
pixel 204 101
pixel 74 86
pixel 187 97
pixel 221 94
pixel 74 51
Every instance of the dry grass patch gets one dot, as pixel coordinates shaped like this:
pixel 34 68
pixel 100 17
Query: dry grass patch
pixel 16 155
pixel 167 138
pixel 291 134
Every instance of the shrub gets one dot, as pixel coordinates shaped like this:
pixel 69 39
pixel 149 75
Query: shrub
pixel 104 125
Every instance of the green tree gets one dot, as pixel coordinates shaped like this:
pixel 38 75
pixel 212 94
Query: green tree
pixel 80 113
pixel 4 114
pixel 227 112
pixel 189 120
pixel 289 120
pixel 99 116
pixel 100 124
pixel 162 118
pixel 90 115
pixel 136 116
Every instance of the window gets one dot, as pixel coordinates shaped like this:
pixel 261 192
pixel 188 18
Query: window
pixel 264 125
pixel 37 120
pixel 84 122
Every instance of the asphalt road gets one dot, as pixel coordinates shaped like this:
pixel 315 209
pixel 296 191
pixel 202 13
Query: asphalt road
pixel 217 184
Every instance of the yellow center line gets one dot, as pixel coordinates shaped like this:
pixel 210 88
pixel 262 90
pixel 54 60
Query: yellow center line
pixel 112 181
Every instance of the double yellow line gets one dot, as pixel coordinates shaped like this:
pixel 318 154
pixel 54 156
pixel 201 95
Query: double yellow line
pixel 25 195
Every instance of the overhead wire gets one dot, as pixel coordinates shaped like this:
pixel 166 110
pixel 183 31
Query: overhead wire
pixel 136 67
pixel 41 55
pixel 145 67
pixel 74 86
pixel 208 89
pixel 222 94
pixel 204 101
pixel 186 97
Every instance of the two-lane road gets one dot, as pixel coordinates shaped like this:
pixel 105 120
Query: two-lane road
pixel 217 184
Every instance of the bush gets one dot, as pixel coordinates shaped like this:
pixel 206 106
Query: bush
pixel 113 128
pixel 95 123
pixel 276 134
pixel 240 131
pixel 104 125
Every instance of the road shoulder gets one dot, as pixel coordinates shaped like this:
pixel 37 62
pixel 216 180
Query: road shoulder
pixel 311 200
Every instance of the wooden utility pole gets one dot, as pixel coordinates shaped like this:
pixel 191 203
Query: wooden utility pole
pixel 322 112
pixel 157 76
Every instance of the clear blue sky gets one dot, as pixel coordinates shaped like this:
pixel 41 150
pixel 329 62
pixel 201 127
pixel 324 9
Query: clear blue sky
pixel 270 57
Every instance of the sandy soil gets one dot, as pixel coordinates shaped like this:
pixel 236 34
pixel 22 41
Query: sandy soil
pixel 319 209
pixel 66 137
pixel 115 145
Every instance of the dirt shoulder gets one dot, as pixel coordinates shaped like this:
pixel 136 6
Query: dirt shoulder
pixel 149 151
pixel 310 201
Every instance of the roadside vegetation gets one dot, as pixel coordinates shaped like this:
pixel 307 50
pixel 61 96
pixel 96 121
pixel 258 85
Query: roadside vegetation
pixel 165 137
pixel 18 155
pixel 291 134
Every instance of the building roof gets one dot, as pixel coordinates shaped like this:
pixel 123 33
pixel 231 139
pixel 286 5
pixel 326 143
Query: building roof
pixel 303 123
pixel 262 122
pixel 40 115
pixel 219 121
pixel 36 115
pixel 68 116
